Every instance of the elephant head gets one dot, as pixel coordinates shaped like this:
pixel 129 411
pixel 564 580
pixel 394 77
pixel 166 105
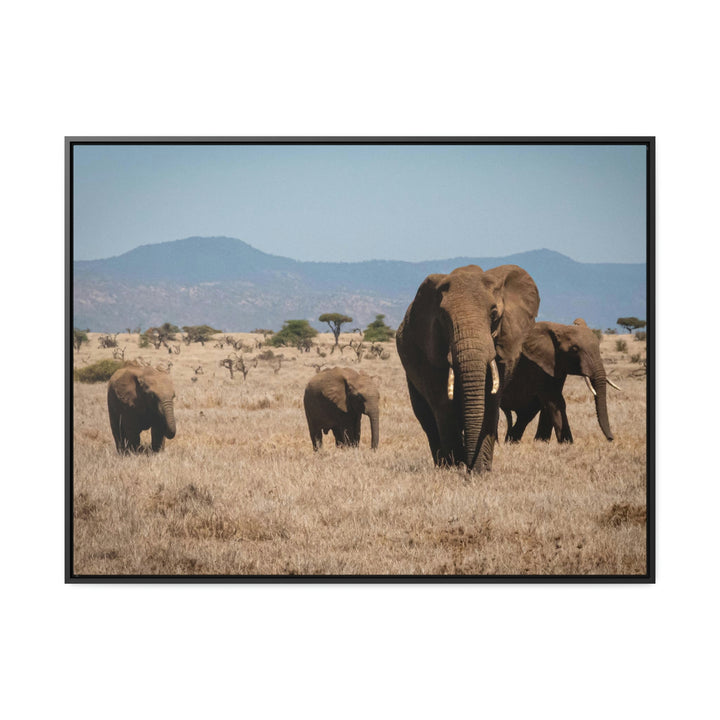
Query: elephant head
pixel 358 393
pixel 461 337
pixel 150 393
pixel 561 350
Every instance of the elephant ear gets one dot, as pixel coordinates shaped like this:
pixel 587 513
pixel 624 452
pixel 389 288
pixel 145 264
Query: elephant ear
pixel 540 347
pixel 517 295
pixel 421 318
pixel 336 391
pixel 126 388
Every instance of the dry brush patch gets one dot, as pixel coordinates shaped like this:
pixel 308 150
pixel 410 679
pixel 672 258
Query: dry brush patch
pixel 240 490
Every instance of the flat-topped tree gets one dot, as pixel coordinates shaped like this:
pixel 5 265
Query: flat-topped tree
pixel 631 323
pixel 199 333
pixel 335 322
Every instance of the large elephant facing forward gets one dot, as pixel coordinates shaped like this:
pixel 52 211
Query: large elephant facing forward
pixel 140 398
pixel 336 399
pixel 550 353
pixel 459 342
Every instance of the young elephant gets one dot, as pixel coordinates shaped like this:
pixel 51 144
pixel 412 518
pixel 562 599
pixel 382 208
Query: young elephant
pixel 140 398
pixel 550 353
pixel 335 399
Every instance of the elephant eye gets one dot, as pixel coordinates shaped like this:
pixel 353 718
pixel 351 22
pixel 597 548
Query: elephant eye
pixel 574 348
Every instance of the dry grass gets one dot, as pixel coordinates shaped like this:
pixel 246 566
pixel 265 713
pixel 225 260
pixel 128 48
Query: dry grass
pixel 240 490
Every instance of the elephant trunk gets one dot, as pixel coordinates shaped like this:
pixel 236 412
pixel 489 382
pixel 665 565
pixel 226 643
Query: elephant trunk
pixel 471 364
pixel 374 429
pixel 169 415
pixel 600 384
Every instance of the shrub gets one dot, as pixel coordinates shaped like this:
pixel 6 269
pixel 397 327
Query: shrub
pixel 635 358
pixel 378 331
pixel 640 335
pixel 79 337
pixel 610 331
pixel 621 346
pixel 293 332
pixel 97 372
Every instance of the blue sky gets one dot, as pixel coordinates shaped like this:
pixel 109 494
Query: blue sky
pixel 351 203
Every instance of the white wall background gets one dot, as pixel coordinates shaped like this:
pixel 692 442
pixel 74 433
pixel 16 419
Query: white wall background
pixel 327 68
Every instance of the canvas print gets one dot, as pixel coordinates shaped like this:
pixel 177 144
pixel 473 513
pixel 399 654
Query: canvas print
pixel 360 359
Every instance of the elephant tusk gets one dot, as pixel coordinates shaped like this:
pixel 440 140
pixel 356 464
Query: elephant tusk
pixel 589 384
pixel 451 384
pixel 610 382
pixel 495 377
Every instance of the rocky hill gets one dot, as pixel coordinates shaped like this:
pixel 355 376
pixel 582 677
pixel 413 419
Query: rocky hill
pixel 228 284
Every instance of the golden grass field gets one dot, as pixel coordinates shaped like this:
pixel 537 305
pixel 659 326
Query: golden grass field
pixel 240 491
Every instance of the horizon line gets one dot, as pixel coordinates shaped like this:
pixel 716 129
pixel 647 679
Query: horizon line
pixel 354 262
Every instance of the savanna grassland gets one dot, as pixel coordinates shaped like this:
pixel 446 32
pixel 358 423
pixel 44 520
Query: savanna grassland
pixel 240 491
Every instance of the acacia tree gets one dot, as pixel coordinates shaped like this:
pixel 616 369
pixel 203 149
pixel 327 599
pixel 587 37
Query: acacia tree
pixel 335 321
pixel 159 335
pixel 199 333
pixel 631 323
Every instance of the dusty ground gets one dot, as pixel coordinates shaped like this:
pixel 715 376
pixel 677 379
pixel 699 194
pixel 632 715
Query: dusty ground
pixel 240 490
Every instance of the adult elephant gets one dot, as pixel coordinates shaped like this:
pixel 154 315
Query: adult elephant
pixel 336 399
pixel 550 353
pixel 459 341
pixel 140 398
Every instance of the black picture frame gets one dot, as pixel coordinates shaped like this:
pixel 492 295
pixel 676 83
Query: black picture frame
pixel 648 142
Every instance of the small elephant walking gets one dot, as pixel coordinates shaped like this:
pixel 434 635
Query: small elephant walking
pixel 140 398
pixel 550 353
pixel 335 399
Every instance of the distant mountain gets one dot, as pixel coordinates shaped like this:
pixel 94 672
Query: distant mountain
pixel 230 285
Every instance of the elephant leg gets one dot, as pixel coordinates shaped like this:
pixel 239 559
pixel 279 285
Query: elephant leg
pixel 340 434
pixel 558 417
pixel 130 440
pixel 355 439
pixel 545 426
pixel 316 437
pixel 316 434
pixel 426 418
pixel 509 423
pixel 524 418
pixel 452 450
pixel 128 436
pixel 565 434
pixel 115 427
pixel 158 439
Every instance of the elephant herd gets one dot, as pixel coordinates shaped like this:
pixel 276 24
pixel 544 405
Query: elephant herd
pixel 469 345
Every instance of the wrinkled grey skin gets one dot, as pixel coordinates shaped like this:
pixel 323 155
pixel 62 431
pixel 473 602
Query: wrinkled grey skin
pixel 550 353
pixel 336 399
pixel 464 320
pixel 140 398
